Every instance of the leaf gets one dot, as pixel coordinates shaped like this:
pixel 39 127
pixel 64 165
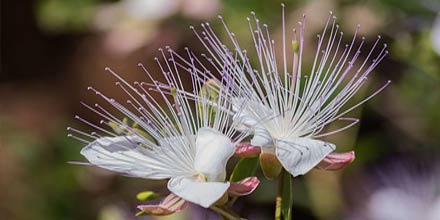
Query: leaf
pixel 146 195
pixel 287 197
pixel 246 167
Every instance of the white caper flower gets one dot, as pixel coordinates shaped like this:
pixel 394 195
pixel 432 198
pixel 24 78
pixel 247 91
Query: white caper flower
pixel 287 109
pixel 185 141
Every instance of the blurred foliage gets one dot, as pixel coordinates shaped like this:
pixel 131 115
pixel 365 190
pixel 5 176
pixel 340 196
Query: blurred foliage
pixel 34 151
pixel 65 15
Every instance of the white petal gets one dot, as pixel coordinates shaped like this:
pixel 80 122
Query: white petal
pixel 261 137
pixel 179 147
pixel 201 193
pixel 395 204
pixel 300 155
pixel 124 154
pixel 248 113
pixel 434 213
pixel 243 119
pixel 213 149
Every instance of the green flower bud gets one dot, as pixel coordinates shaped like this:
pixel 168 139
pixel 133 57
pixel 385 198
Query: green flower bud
pixel 146 195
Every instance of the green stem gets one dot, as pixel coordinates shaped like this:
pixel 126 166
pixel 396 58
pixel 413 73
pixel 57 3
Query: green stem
pixel 233 200
pixel 224 213
pixel 279 199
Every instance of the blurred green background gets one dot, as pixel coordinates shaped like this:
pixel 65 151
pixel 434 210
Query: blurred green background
pixel 51 50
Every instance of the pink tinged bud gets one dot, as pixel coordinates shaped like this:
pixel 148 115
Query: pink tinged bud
pixel 336 161
pixel 245 149
pixel 244 187
pixel 169 205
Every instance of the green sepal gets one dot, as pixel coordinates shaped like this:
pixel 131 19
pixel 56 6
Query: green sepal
pixel 287 197
pixel 146 196
pixel 116 127
pixel 145 134
pixel 120 130
pixel 270 165
pixel 208 92
pixel 245 167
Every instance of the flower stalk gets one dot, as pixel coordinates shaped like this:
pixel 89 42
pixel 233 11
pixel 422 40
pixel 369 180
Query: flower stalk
pixel 279 199
pixel 228 214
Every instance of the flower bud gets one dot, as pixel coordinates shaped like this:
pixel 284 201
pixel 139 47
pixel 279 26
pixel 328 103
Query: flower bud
pixel 336 161
pixel 146 196
pixel 246 150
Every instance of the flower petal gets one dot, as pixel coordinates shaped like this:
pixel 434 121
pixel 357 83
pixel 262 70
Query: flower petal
pixel 169 205
pixel 336 161
pixel 261 137
pixel 243 119
pixel 245 149
pixel 248 113
pixel 202 193
pixel 125 155
pixel 244 187
pixel 300 155
pixel 213 149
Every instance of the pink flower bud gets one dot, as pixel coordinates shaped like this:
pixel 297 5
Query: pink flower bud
pixel 336 161
pixel 245 149
pixel 169 205
pixel 244 187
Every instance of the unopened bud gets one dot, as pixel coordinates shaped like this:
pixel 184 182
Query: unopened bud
pixel 246 150
pixel 146 196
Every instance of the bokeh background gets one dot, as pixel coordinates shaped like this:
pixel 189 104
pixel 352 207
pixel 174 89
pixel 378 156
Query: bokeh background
pixel 51 50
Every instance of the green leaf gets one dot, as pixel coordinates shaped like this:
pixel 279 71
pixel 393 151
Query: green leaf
pixel 287 197
pixel 146 195
pixel 246 167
